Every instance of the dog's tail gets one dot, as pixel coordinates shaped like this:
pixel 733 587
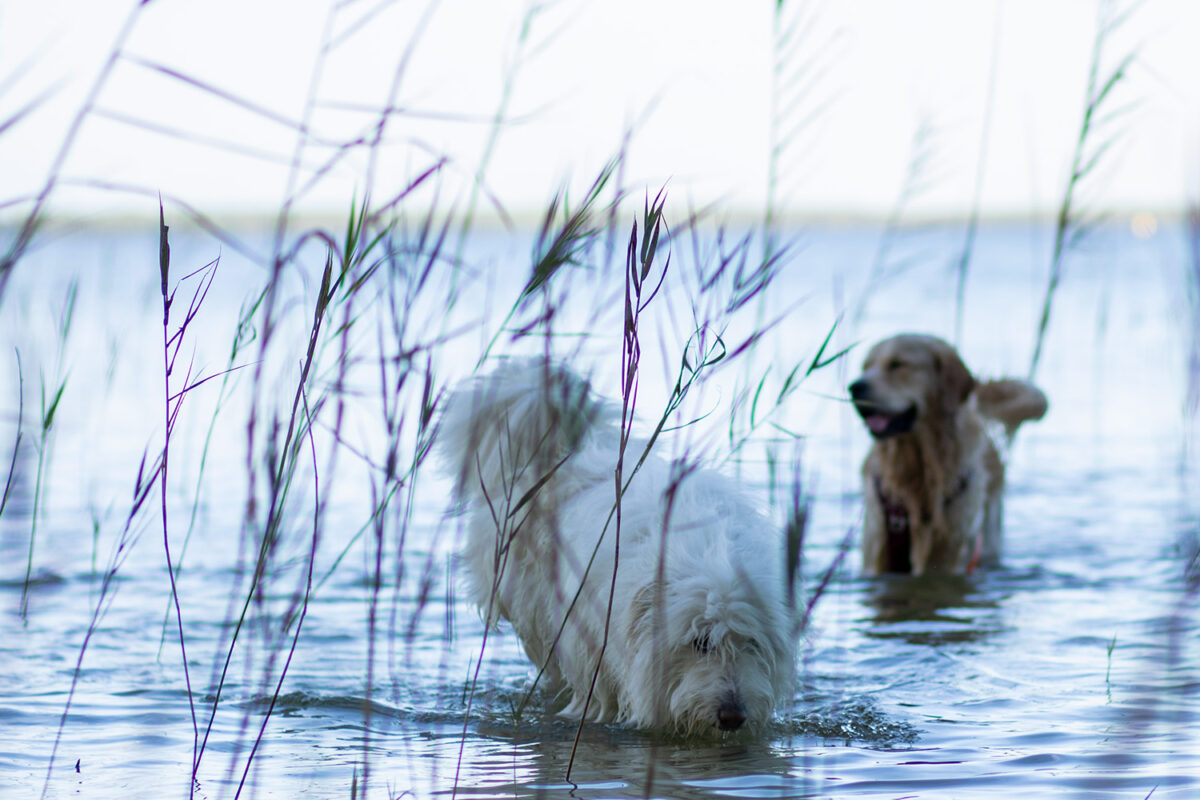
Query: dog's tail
pixel 506 434
pixel 1010 401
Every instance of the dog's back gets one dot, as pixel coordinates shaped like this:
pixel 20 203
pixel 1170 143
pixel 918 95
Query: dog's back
pixel 505 433
pixel 511 439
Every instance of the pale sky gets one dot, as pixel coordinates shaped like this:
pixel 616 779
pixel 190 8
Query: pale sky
pixel 694 77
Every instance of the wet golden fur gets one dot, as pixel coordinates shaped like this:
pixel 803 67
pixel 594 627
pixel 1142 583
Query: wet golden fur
pixel 933 471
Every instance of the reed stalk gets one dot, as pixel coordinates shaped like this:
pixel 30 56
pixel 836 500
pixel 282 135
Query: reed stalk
pixel 171 408
pixel 149 476
pixel 1071 224
pixel 802 59
pixel 968 246
pixel 46 430
pixel 20 431
pixel 921 174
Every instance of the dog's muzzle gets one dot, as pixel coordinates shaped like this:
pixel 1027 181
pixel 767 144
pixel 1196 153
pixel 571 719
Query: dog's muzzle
pixel 731 714
pixel 881 424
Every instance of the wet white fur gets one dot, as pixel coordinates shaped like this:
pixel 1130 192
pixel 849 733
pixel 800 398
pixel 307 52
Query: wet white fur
pixel 699 568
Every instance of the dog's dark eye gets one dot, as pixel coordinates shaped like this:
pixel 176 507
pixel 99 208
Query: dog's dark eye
pixel 894 365
pixel 701 644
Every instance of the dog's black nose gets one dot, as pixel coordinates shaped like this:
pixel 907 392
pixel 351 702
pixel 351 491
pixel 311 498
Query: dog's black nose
pixel 859 389
pixel 730 716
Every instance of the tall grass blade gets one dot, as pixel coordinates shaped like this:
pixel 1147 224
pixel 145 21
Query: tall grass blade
pixel 20 431
pixel 1069 225
pixel 968 245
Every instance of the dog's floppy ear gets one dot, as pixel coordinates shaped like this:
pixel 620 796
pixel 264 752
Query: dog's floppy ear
pixel 956 378
pixel 646 610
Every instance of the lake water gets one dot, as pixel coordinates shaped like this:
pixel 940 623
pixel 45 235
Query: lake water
pixel 1072 671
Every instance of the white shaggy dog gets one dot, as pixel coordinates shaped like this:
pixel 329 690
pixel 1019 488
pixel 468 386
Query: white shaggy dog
pixel 699 637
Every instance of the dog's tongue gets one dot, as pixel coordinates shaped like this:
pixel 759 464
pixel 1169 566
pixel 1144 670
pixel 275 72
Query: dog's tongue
pixel 877 423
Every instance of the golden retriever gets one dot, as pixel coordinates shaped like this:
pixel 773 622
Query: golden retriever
pixel 933 479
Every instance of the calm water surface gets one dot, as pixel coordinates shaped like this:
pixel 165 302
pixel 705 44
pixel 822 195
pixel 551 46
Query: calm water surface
pixel 1072 671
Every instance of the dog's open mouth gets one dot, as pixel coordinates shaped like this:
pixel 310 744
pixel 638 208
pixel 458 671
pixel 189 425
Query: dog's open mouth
pixel 881 424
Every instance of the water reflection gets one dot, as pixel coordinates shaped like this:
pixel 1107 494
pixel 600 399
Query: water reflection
pixel 611 762
pixel 931 609
pixel 531 756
